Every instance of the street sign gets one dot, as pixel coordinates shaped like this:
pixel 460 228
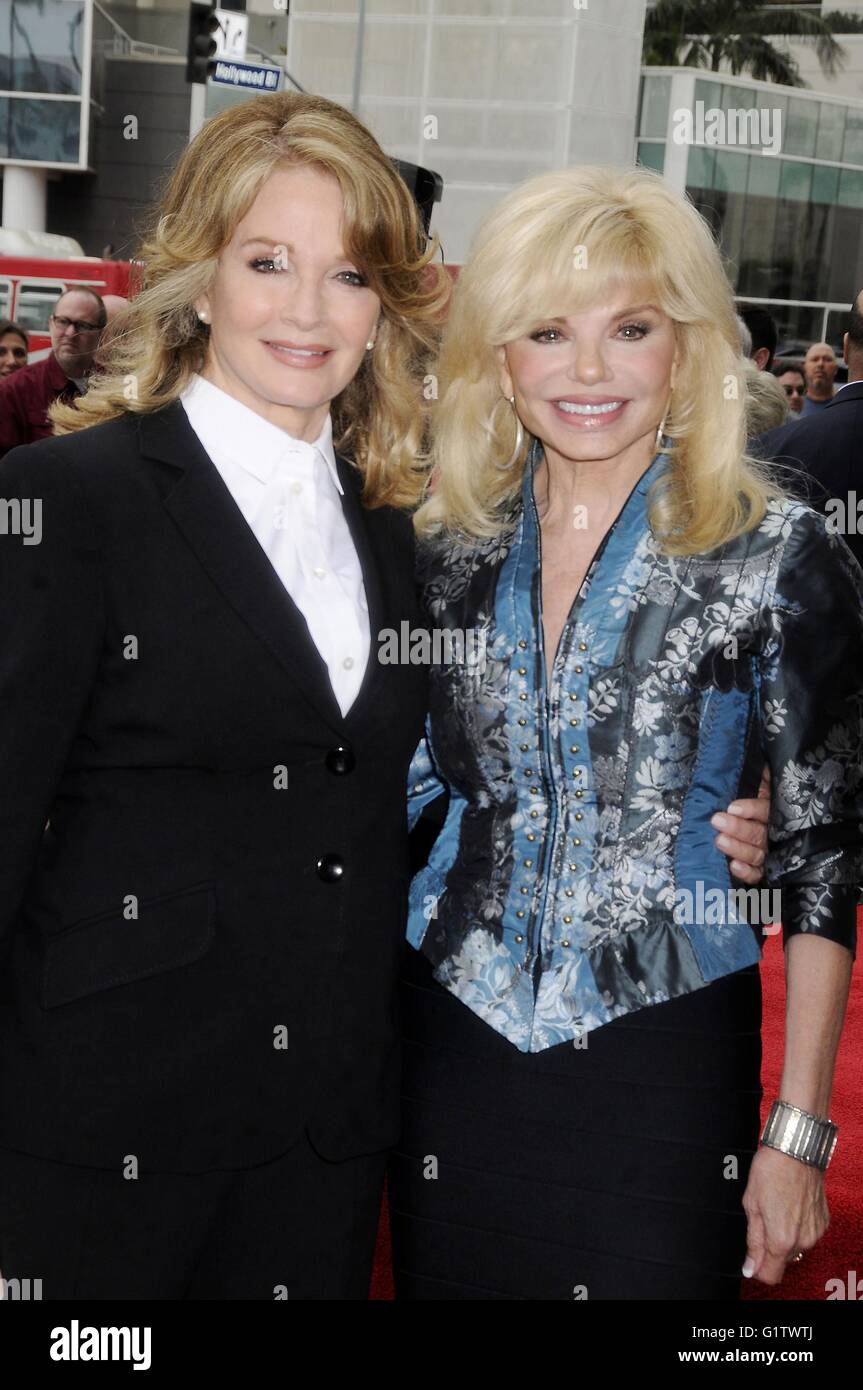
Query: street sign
pixel 250 75
pixel 232 34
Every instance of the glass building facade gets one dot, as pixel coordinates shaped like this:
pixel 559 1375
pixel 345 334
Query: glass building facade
pixel 485 92
pixel 44 81
pixel 790 222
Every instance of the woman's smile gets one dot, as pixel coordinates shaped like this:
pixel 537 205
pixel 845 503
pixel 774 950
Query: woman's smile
pixel 589 413
pixel 303 358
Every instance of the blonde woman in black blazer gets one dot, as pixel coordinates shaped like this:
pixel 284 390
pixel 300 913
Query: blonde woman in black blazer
pixel 198 1081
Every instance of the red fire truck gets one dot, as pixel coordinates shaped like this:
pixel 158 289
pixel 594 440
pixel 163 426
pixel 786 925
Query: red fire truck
pixel 35 269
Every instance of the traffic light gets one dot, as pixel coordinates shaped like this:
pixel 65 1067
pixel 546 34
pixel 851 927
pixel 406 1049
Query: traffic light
pixel 200 54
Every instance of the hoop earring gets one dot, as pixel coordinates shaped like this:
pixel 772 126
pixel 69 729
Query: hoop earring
pixel 519 437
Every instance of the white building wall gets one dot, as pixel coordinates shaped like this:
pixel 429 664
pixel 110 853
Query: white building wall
pixel 485 92
pixel 848 82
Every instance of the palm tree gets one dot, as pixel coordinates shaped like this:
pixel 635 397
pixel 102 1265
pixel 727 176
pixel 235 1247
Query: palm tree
pixel 737 34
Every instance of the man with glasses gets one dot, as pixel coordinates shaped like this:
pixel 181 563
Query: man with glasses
pixel 793 383
pixel 75 325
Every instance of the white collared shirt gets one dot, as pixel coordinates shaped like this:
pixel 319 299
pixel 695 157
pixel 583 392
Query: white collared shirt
pixel 289 493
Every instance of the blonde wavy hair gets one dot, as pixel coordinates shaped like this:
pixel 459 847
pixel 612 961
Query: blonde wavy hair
pixel 379 418
pixel 766 405
pixel 550 249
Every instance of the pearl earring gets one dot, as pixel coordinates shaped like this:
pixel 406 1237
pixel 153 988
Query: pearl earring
pixel 370 344
pixel 203 318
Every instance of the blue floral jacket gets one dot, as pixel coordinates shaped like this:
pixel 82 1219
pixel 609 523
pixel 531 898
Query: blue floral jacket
pixel 576 878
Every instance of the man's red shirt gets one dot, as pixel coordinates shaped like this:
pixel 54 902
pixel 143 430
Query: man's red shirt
pixel 24 400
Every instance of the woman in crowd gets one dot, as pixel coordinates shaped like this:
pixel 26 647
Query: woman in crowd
pixel 654 621
pixel 13 348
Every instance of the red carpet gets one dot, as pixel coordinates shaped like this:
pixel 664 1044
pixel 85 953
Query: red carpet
pixel 840 1251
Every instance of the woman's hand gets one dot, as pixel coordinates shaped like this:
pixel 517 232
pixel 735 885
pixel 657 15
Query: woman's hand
pixel 786 1211
pixel 743 832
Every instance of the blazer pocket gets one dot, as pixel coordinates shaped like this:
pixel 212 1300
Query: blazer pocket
pixel 108 950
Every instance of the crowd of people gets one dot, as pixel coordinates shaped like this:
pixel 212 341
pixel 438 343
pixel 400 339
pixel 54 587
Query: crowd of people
pixel 800 419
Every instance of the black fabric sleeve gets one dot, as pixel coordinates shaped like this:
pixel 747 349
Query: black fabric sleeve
pixel 51 630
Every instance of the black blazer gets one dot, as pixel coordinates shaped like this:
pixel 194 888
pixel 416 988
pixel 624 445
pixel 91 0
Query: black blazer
pixel 183 914
pixel 827 446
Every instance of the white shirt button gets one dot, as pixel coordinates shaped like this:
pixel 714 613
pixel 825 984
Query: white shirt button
pixel 296 488
pixel 348 663
pixel 319 572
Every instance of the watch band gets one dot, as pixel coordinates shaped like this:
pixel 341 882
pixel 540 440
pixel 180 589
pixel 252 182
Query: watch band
pixel 799 1134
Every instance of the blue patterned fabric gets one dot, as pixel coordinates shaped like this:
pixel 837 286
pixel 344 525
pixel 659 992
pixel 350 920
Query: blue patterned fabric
pixel 576 877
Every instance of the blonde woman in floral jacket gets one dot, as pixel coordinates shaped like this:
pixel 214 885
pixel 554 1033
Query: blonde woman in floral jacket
pixel 650 621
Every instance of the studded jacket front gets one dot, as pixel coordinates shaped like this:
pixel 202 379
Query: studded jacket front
pixel 576 876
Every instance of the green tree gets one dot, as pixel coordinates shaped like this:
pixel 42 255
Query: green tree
pixel 738 36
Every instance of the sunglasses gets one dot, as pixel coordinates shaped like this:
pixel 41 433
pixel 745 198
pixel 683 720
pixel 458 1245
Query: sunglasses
pixel 794 390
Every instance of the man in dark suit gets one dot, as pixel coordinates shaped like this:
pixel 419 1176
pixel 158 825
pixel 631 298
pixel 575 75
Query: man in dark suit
pixel 827 447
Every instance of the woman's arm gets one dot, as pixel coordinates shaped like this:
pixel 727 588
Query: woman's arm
pixel 812 716
pixel 51 626
pixel 785 1199
pixel 817 981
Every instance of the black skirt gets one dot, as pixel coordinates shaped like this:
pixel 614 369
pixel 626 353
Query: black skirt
pixel 611 1171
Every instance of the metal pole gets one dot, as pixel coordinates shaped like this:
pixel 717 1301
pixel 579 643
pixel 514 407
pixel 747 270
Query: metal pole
pixel 197 107
pixel 358 57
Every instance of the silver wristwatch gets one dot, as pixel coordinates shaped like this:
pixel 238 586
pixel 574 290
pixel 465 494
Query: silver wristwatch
pixel 800 1135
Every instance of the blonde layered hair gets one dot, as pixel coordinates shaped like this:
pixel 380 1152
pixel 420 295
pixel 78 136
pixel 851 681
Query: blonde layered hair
pixel 378 419
pixel 550 249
